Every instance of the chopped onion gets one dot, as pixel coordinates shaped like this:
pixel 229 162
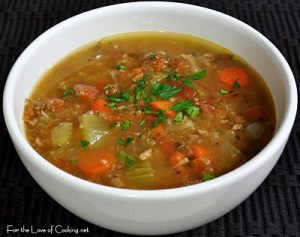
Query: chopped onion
pixel 255 130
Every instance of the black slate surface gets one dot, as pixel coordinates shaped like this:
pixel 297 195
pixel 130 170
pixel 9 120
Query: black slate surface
pixel 272 210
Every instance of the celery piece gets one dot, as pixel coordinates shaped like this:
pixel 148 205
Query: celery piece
pixel 61 134
pixel 141 174
pixel 93 128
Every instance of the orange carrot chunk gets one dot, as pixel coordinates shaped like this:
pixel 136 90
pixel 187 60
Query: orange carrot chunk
pixel 100 105
pixel 200 151
pixel 136 71
pixel 163 105
pixel 94 164
pixel 175 158
pixel 158 130
pixel 204 158
pixel 233 74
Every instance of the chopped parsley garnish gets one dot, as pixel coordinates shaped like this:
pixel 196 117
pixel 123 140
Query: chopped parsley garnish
pixel 68 92
pixel 120 67
pixel 167 70
pixel 182 105
pixel 147 75
pixel 188 82
pixel 84 143
pixel 128 160
pixel 193 111
pixel 125 142
pixel 72 161
pixel 118 98
pixel 148 100
pixel 207 177
pixel 165 91
pixel 188 107
pixel 174 76
pixel 151 56
pixel 236 85
pixel 179 117
pixel 147 110
pixel 139 90
pixel 142 122
pixel 223 91
pixel 125 125
pixel 199 75
pixel 112 105
pixel 160 118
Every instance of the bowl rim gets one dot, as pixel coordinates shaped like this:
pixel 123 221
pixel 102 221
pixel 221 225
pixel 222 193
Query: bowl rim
pixel 257 161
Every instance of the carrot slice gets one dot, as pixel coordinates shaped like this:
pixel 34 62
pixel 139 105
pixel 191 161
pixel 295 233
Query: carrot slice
pixel 163 139
pixel 93 164
pixel 231 74
pixel 136 71
pixel 175 158
pixel 158 130
pixel 166 144
pixel 204 158
pixel 163 105
pixel 100 105
pixel 200 151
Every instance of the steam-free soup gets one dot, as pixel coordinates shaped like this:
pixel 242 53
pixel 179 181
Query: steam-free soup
pixel 149 110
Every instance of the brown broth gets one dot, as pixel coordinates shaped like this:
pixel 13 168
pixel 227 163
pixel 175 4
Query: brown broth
pixel 229 115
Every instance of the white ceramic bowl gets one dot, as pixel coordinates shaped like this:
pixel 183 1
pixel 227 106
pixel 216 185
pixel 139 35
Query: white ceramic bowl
pixel 158 211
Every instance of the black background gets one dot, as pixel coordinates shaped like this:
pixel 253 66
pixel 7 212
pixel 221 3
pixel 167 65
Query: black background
pixel 272 210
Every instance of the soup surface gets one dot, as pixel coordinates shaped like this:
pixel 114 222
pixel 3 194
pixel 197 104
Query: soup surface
pixel 149 110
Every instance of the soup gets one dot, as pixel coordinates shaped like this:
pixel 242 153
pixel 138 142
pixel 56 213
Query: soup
pixel 149 110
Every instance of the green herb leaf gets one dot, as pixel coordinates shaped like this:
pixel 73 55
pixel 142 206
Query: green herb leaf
pixel 72 161
pixel 223 91
pixel 167 70
pixel 193 111
pixel 139 90
pixel 207 177
pixel 165 91
pixel 142 122
pixel 199 75
pixel 147 110
pixel 188 82
pixel 120 67
pixel 147 100
pixel 182 105
pixel 179 117
pixel 160 117
pixel 68 92
pixel 118 98
pixel 125 142
pixel 173 76
pixel 188 107
pixel 128 160
pixel 236 85
pixel 112 105
pixel 148 75
pixel 125 125
pixel 84 143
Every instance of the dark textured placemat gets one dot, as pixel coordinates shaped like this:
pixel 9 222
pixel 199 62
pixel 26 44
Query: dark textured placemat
pixel 272 210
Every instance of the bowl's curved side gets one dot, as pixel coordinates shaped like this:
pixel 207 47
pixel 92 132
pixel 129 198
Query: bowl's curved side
pixel 156 216
pixel 164 211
